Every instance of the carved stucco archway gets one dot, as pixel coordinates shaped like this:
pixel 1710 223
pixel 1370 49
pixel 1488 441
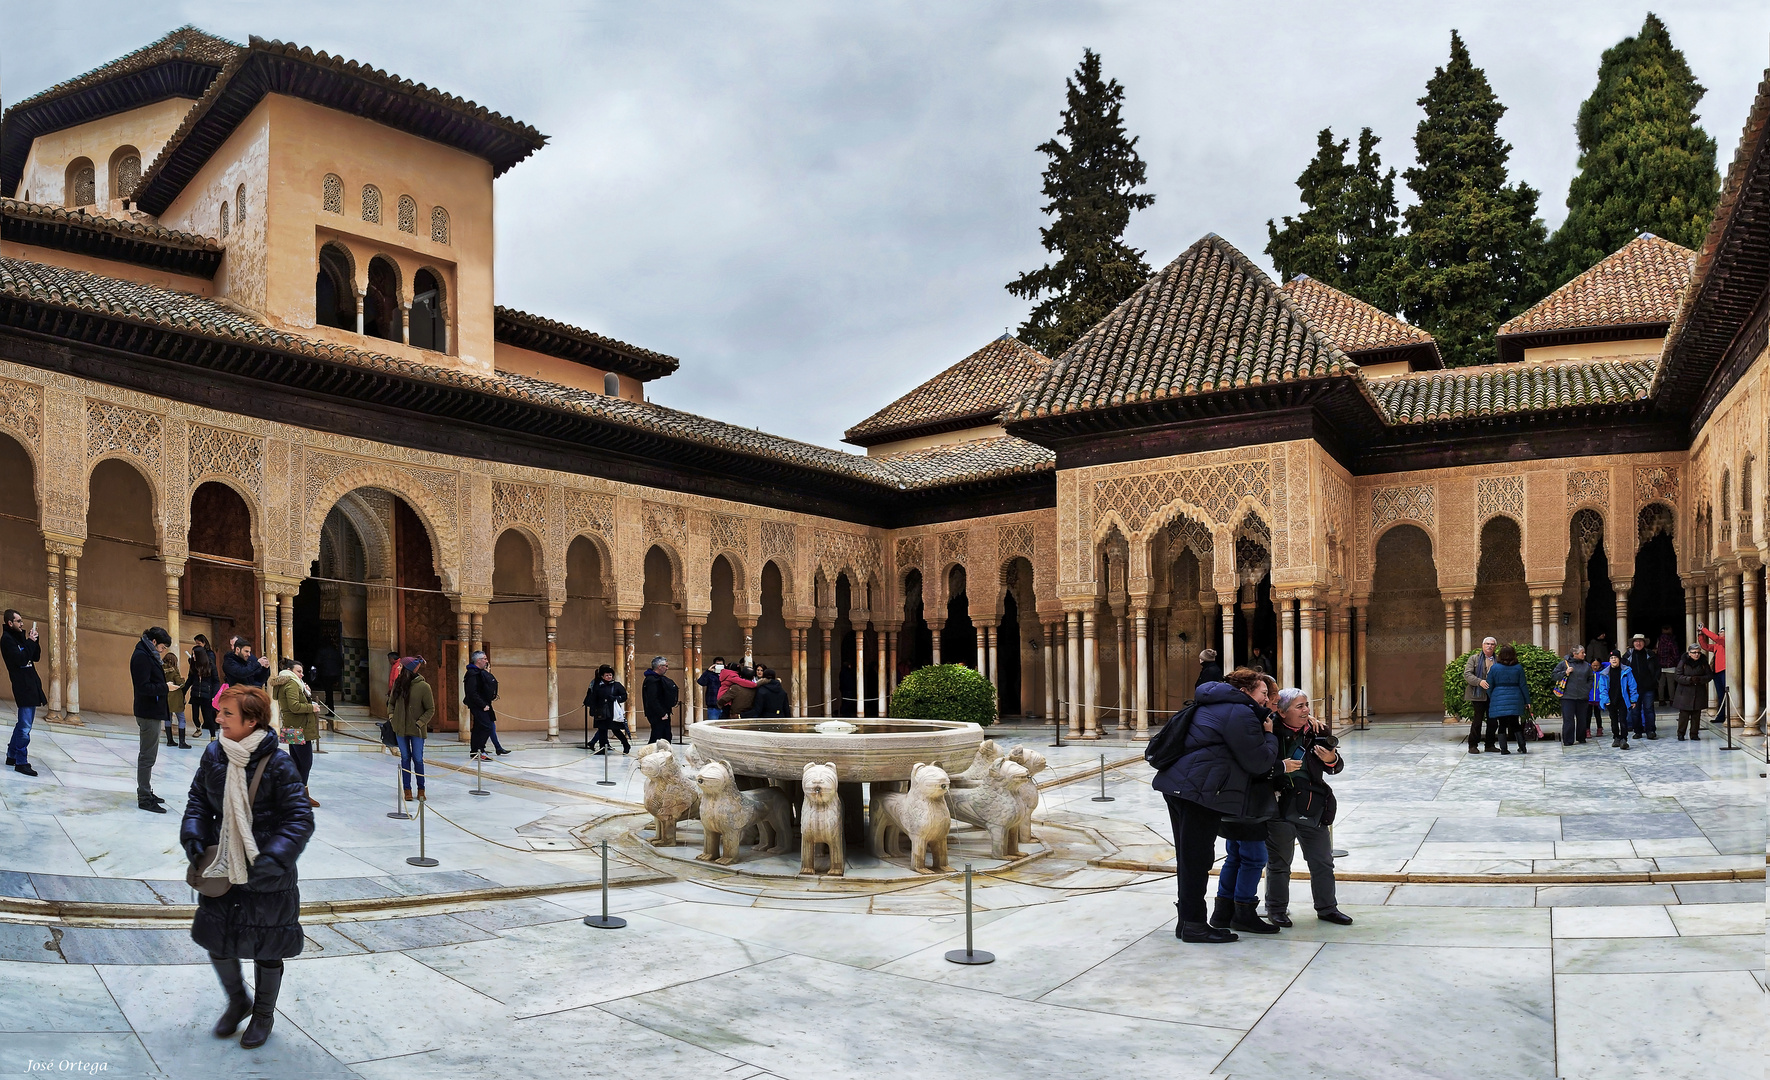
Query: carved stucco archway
pixel 439 521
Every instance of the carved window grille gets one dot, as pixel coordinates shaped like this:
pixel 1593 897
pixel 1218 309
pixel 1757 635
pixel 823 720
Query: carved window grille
pixel 408 214
pixel 239 204
pixel 224 220
pixel 1588 531
pixel 439 225
pixel 1745 502
pixel 372 204
pixel 332 194
pixel 82 184
pixel 128 175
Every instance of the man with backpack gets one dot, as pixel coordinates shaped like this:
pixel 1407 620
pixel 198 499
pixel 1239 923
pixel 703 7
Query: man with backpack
pixel 1642 661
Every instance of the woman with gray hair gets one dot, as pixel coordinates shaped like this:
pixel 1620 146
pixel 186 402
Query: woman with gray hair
pixel 1306 810
pixel 479 689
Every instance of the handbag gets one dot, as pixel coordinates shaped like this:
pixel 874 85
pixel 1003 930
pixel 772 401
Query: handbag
pixel 1258 809
pixel 1305 807
pixel 193 874
pixel 618 716
pixel 387 737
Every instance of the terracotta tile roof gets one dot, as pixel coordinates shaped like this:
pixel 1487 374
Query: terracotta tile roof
pixel 971 392
pixel 79 290
pixel 573 343
pixel 1210 320
pixel 1640 283
pixel 186 43
pixel 1353 325
pixel 80 219
pixel 267 67
pixel 1508 389
pixel 979 459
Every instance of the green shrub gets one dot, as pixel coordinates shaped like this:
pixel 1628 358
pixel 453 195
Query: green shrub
pixel 1539 664
pixel 946 692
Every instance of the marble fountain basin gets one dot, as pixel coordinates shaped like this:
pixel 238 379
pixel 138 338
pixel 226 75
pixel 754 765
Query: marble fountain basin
pixel 876 750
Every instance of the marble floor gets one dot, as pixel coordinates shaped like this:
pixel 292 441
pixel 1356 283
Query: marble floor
pixel 719 976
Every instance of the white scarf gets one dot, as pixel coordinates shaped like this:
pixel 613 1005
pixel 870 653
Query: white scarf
pixel 239 848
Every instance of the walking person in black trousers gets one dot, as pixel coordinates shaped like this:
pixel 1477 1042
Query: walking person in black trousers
pixel 605 698
pixel 147 672
pixel 479 690
pixel 1575 693
pixel 659 695
pixel 21 651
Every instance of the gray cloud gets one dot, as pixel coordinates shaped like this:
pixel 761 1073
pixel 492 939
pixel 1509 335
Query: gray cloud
pixel 816 206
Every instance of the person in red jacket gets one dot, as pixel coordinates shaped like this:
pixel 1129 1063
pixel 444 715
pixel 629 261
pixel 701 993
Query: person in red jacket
pixel 1714 643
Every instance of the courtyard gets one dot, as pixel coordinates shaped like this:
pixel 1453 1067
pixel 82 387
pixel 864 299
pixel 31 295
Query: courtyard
pixel 1504 906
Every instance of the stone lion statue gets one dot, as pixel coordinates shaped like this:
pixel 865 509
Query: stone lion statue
pixel 726 812
pixel 669 795
pixel 1034 764
pixel 920 814
pixel 978 771
pixel 996 806
pixel 820 818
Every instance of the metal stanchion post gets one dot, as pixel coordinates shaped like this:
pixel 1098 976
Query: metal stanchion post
pixel 605 921
pixel 969 955
pixel 399 792
pixel 421 859
pixel 1726 721
pixel 586 745
pixel 1337 853
pixel 1057 728
pixel 1103 796
pixel 605 781
pixel 478 776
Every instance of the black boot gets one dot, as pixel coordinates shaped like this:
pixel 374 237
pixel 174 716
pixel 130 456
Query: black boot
pixel 182 745
pixel 1247 917
pixel 264 1008
pixel 1522 748
pixel 238 1004
pixel 1198 933
pixel 169 741
pixel 1223 912
pixel 1278 916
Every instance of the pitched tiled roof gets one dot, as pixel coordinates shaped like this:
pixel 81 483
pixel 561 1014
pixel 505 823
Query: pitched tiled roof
pixel 1355 326
pixel 1209 320
pixel 79 290
pixel 267 67
pixel 108 237
pixel 1639 283
pixel 971 392
pixel 979 459
pixel 573 343
pixel 1508 389
pixel 181 64
pixel 185 43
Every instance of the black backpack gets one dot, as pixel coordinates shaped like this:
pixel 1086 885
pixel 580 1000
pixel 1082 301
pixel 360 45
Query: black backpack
pixel 1170 742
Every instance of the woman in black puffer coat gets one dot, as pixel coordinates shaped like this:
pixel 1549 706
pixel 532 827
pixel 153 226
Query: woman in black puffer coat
pixel 257 919
pixel 1229 744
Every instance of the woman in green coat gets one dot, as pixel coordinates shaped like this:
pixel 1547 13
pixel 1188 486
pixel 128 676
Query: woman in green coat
pixel 299 719
pixel 410 708
pixel 175 688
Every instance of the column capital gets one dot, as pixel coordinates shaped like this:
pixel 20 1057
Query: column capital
pixel 1281 596
pixel 280 584
pixel 174 567
pixel 57 544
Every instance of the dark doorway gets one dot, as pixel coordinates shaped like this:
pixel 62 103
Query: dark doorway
pixel 958 639
pixel 1657 596
pixel 1008 659
pixel 1599 615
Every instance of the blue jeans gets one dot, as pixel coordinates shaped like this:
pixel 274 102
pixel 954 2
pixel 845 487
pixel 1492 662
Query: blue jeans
pixel 1643 718
pixel 21 735
pixel 1242 866
pixel 712 712
pixel 411 760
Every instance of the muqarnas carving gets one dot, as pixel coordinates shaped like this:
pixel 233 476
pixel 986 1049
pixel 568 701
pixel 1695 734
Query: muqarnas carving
pixel 820 818
pixel 920 814
pixel 726 812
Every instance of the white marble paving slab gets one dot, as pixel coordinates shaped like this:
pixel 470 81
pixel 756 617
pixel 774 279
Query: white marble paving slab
pixel 1139 980
pixel 55 997
pixel 330 999
pixel 1641 921
pixel 1698 919
pixel 1605 956
pixel 1694 1042
pixel 857 940
pixel 1371 1012
pixel 1464 927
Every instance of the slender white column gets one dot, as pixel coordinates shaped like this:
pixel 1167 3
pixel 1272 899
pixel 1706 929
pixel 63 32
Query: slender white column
pixel 70 632
pixel 1287 629
pixel 1073 643
pixel 1142 706
pixel 860 670
pixel 1050 671
pixel 1622 624
pixel 1753 654
pixel 1306 647
pixel 1536 620
pixel 52 644
pixel 1091 668
pixel 1121 714
pixel 1227 653
pixel 829 700
pixel 1450 630
pixel 1360 690
pixel 1552 614
pixel 1467 608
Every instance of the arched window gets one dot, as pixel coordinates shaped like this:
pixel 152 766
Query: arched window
pixel 82 184
pixel 381 306
pixel 439 225
pixel 332 194
pixel 372 203
pixel 428 329
pixel 125 171
pixel 334 296
pixel 408 214
pixel 239 204
pixel 224 219
pixel 611 384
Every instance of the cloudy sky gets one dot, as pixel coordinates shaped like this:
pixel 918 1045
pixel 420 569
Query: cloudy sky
pixel 815 206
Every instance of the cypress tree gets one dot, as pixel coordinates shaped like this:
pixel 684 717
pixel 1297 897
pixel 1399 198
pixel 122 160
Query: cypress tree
pixel 1091 181
pixel 1310 243
pixel 1473 254
pixel 1644 165
pixel 1346 237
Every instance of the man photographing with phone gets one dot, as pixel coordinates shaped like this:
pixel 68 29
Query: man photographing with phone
pixel 20 649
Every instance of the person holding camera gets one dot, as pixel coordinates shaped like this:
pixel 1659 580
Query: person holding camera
pixel 1306 811
pixel 1229 744
pixel 21 651
pixel 605 695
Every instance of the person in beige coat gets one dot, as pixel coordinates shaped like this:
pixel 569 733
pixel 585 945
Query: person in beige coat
pixel 411 705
